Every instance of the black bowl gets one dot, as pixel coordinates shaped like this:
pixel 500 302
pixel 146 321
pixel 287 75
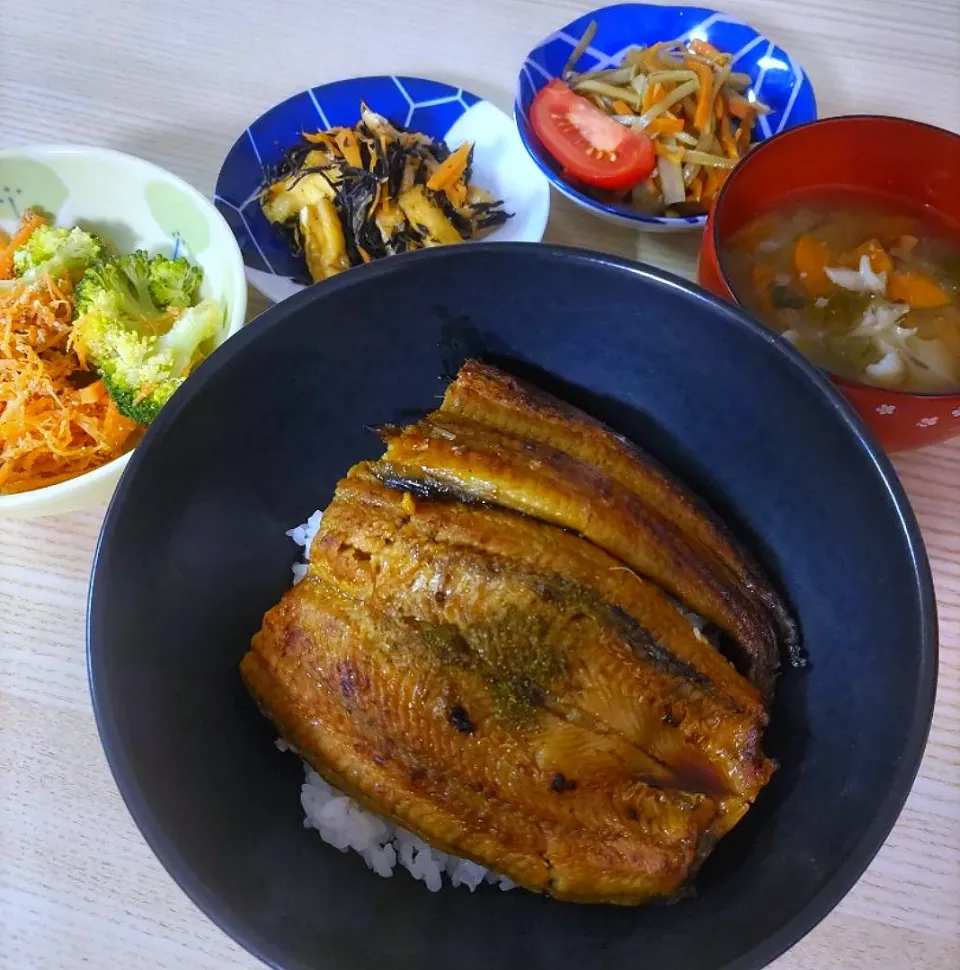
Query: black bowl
pixel 193 552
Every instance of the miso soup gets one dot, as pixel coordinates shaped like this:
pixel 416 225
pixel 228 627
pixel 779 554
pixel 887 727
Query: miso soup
pixel 866 286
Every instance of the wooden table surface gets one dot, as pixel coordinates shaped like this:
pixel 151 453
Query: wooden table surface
pixel 174 83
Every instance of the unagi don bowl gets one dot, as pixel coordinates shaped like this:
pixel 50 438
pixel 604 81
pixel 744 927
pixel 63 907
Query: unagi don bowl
pixel 194 551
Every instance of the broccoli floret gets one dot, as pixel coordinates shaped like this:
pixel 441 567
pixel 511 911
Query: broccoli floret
pixel 121 287
pixel 141 347
pixel 142 372
pixel 174 282
pixel 56 252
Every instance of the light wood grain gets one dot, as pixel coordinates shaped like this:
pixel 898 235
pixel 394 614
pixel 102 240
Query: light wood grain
pixel 175 82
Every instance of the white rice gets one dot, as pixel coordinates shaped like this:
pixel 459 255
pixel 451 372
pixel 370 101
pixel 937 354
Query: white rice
pixel 303 535
pixel 345 825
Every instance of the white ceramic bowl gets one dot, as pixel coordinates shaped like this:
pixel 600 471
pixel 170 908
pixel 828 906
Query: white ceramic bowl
pixel 135 205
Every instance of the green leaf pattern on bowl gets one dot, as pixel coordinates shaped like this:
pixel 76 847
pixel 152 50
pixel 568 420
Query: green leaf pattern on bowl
pixel 25 183
pixel 177 216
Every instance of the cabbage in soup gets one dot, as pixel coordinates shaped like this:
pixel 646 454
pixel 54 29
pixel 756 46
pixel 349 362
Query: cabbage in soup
pixel 864 286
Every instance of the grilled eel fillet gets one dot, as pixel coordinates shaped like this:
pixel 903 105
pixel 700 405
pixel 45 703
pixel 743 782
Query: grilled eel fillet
pixel 483 650
pixel 497 400
pixel 386 718
pixel 448 453
pixel 511 693
pixel 634 664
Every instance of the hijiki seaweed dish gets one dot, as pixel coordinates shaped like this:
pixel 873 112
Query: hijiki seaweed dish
pixel 346 196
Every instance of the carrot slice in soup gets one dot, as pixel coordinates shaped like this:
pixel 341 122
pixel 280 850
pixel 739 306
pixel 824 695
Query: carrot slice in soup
pixel 918 291
pixel 810 258
pixel 880 262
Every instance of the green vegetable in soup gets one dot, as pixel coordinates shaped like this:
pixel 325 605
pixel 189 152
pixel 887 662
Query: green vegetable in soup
pixel 786 298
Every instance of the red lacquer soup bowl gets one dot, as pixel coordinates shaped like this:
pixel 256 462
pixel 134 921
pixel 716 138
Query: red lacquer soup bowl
pixel 916 163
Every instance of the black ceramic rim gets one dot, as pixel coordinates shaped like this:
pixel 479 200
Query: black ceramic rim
pixel 847 870
pixel 743 167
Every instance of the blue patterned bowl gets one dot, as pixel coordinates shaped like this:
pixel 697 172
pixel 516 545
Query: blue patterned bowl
pixel 439 110
pixel 777 81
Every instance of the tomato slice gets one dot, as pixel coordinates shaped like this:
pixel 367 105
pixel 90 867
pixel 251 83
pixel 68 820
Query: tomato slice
pixel 591 146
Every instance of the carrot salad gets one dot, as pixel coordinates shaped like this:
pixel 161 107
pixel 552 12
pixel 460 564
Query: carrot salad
pixel 56 418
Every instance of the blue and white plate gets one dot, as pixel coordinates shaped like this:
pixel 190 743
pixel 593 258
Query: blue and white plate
pixel 778 81
pixel 500 164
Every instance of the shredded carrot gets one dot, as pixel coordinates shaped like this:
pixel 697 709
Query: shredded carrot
pixel 704 95
pixel 646 102
pixel 92 393
pixel 727 141
pixel 622 108
pixel 706 49
pixel 661 149
pixel 718 108
pixel 695 188
pixel 347 143
pixel 320 138
pixel 664 126
pixel 810 257
pixel 29 222
pixel 54 423
pixel 714 182
pixel 742 137
pixel 917 290
pixel 652 94
pixel 739 107
pixel 651 57
pixel 452 169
